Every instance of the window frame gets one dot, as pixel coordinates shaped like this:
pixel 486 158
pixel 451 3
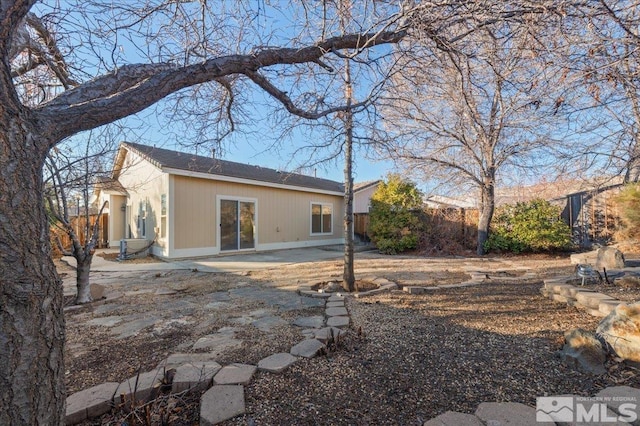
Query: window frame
pixel 322 216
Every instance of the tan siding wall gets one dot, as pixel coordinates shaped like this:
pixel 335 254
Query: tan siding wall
pixel 282 215
pixel 145 184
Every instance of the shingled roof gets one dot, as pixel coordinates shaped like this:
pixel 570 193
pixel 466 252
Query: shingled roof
pixel 168 159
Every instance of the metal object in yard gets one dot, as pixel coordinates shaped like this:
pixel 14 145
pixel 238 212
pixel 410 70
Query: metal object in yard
pixel 585 271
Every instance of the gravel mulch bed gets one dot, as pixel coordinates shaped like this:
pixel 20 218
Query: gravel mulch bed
pixel 419 356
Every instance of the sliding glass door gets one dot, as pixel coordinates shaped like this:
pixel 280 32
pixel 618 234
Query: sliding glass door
pixel 237 225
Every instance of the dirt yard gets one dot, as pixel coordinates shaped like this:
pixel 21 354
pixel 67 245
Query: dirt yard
pixel 406 359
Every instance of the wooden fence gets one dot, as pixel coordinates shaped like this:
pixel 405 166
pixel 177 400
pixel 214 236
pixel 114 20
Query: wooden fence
pixel 79 225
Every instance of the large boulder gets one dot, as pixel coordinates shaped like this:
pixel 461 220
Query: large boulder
pixel 583 351
pixel 621 330
pixel 609 258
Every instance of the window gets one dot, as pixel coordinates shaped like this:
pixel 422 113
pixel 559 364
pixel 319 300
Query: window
pixel 321 218
pixel 163 216
pixel 142 219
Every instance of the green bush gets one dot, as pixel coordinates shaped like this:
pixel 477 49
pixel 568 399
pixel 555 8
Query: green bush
pixel 394 220
pixel 528 227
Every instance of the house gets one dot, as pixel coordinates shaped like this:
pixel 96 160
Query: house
pixel 189 205
pixel 362 192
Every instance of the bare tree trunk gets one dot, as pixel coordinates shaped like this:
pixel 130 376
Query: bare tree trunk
pixel 31 317
pixel 83 285
pixel 633 166
pixel 348 276
pixel 487 208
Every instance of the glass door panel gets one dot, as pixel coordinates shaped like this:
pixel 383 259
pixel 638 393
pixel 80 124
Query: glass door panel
pixel 247 214
pixel 228 225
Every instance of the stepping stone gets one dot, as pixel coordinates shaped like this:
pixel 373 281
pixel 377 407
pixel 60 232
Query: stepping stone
pixel 508 413
pixel 132 328
pixel 592 300
pixel 233 374
pixel 412 289
pixel 608 306
pixel 307 348
pixel 324 334
pixel 335 304
pixel 92 402
pixel 267 323
pixel 309 333
pixel 338 322
pixel 196 376
pixel 218 342
pixel 105 321
pixel 453 418
pixel 336 312
pixel 221 403
pixel 336 298
pixel 276 363
pixel 178 359
pixel 165 292
pixel 615 396
pixel 312 322
pixel 143 387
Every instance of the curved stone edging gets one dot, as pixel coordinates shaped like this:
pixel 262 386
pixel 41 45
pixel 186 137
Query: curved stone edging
pixel 224 398
pixel 594 303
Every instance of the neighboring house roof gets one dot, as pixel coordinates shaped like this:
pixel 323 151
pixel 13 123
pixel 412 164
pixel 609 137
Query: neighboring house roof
pixel 110 185
pixel 167 160
pixel 361 186
pixel 441 201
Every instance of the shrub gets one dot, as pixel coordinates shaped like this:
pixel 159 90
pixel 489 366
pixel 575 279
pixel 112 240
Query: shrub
pixel 533 226
pixel 394 221
pixel 629 203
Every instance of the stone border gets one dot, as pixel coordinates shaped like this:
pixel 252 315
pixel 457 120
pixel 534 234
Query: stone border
pixel 224 398
pixel 594 303
pixel 515 413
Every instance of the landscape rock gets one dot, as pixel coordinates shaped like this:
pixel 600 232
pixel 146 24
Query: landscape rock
pixel 453 418
pixel 276 363
pixel 610 258
pixel 194 376
pixel 584 351
pixel 339 304
pixel 615 396
pixel 178 359
pixel 508 413
pixel 91 402
pixel 307 348
pixel 233 374
pixel 97 291
pixel 324 334
pixel 142 387
pixel 621 330
pixel 221 403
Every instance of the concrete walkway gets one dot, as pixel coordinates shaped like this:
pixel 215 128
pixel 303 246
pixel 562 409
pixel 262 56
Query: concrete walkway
pixel 238 263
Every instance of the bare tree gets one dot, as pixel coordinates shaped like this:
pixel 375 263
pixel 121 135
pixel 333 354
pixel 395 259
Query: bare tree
pixel 35 117
pixel 71 172
pixel 602 58
pixel 463 112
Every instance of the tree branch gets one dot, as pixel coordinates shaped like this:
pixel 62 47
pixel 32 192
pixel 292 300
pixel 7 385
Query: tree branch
pixel 132 88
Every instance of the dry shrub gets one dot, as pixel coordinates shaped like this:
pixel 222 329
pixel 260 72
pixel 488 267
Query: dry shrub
pixel 628 281
pixel 449 231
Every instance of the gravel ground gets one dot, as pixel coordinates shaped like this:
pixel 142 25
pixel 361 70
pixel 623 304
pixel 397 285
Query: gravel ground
pixel 418 356
pixel 406 358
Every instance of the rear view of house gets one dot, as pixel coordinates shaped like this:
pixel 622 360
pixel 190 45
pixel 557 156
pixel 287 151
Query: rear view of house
pixel 190 205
